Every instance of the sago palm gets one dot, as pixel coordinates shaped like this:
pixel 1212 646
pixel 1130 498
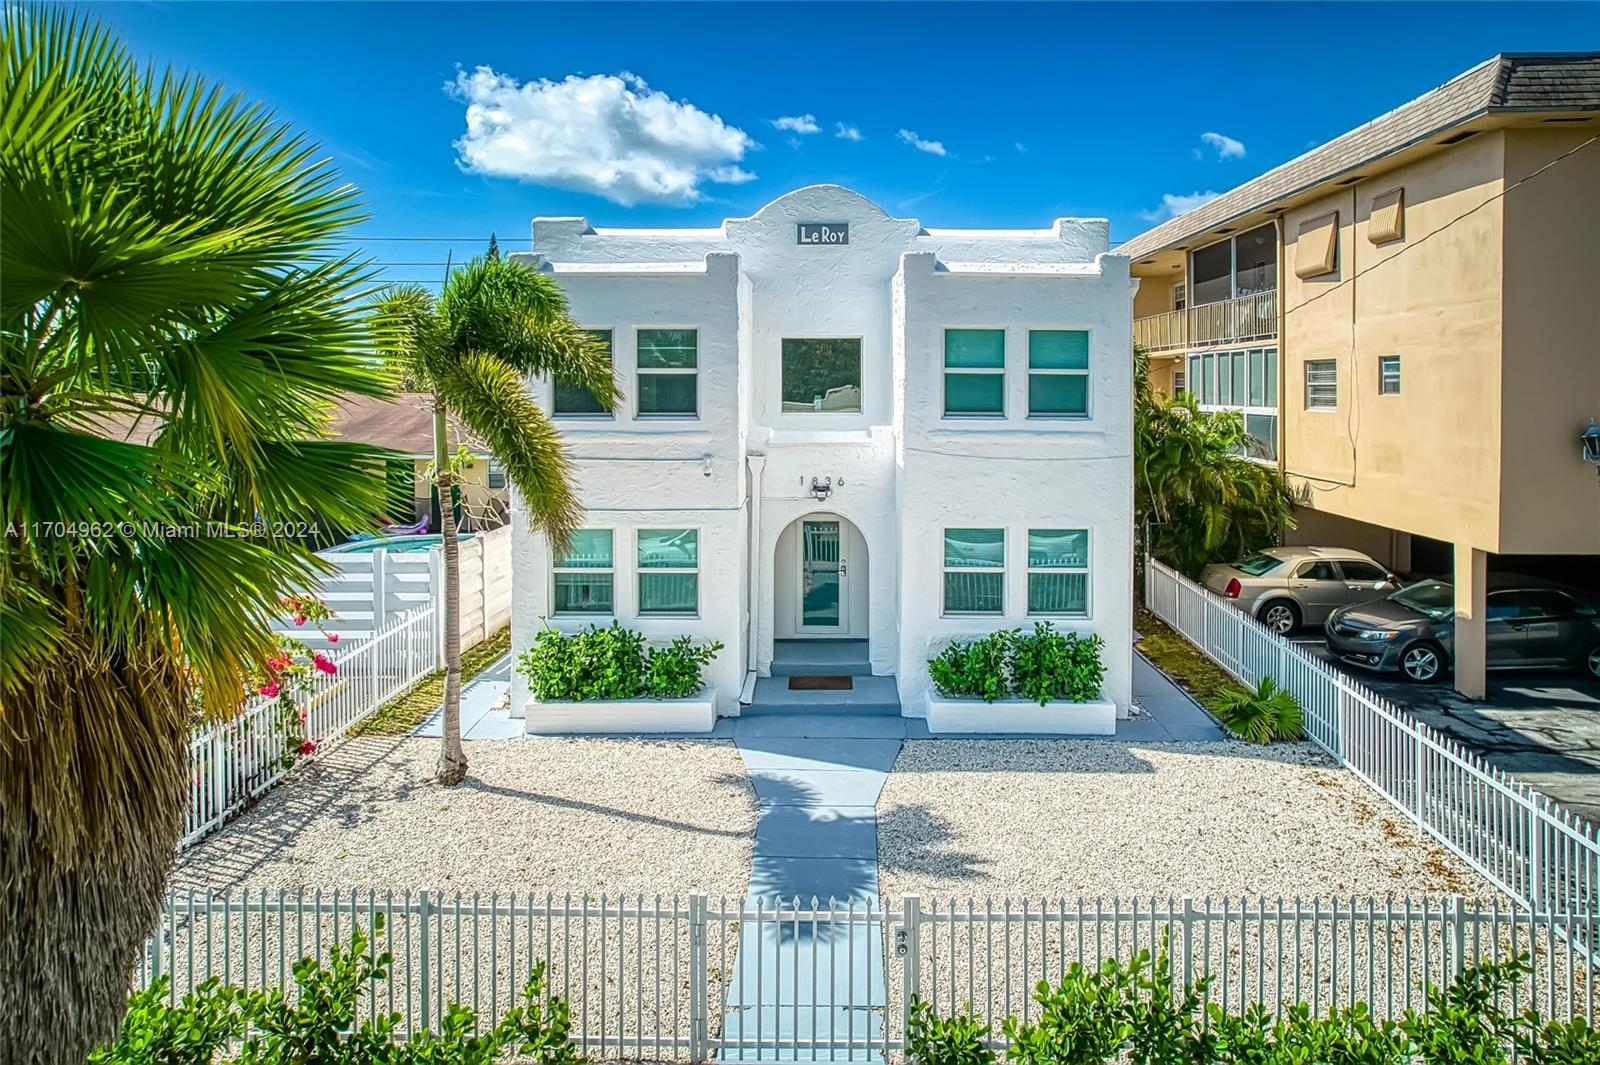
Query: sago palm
pixel 495 325
pixel 168 255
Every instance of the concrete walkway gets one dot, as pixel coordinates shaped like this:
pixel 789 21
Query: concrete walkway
pixel 484 714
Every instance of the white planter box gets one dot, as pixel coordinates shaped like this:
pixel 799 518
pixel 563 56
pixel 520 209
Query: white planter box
pixel 698 713
pixel 1021 715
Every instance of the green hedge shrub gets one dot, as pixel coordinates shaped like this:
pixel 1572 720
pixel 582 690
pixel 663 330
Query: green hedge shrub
pixel 222 1024
pixel 612 663
pixel 1043 665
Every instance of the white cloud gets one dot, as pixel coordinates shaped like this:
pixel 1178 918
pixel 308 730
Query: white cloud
pixel 1019 146
pixel 1225 146
pixel 608 134
pixel 1174 204
pixel 797 123
pixel 846 133
pixel 931 147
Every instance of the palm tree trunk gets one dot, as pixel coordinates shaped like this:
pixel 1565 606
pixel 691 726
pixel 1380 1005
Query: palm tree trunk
pixel 94 773
pixel 452 759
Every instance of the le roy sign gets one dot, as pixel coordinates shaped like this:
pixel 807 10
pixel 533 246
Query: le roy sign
pixel 822 233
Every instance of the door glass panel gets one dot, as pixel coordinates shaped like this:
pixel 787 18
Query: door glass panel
pixel 819 573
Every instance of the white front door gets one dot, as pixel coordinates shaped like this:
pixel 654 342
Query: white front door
pixel 824 599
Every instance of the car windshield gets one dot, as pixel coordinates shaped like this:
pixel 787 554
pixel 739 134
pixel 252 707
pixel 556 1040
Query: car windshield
pixel 1427 597
pixel 1258 564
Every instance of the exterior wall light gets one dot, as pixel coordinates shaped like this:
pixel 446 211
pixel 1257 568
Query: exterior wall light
pixel 821 490
pixel 1591 445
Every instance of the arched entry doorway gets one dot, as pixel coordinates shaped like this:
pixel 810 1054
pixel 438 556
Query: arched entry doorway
pixel 820 580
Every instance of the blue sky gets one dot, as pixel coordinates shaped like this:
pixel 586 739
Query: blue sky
pixel 673 114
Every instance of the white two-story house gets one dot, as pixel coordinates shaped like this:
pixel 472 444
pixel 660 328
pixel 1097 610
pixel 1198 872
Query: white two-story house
pixel 840 425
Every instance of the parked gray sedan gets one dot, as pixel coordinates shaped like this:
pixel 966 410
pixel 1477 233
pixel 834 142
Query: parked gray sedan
pixel 1286 587
pixel 1527 624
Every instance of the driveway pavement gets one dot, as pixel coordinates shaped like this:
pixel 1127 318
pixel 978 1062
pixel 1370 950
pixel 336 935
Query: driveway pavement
pixel 1542 727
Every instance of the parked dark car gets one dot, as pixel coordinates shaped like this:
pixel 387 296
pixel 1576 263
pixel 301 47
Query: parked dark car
pixel 1528 624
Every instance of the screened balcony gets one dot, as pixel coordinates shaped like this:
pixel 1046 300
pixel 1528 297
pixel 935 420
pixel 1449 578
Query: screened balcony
pixel 1252 317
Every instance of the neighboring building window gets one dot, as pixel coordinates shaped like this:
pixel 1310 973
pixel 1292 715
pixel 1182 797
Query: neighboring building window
pixel 669 571
pixel 495 479
pixel 974 571
pixel 1058 571
pixel 1178 383
pixel 974 372
pixel 1180 296
pixel 822 376
pixel 1322 384
pixel 584 574
pixel 1245 381
pixel 1389 375
pixel 1058 372
pixel 575 400
pixel 669 362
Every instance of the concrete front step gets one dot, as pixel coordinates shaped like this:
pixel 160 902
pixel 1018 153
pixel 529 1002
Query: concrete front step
pixel 820 658
pixel 870 696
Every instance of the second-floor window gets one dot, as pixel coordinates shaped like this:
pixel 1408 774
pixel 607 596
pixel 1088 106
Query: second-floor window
pixel 1058 372
pixel 668 372
pixel 974 373
pixel 822 375
pixel 1322 384
pixel 1388 375
pixel 575 400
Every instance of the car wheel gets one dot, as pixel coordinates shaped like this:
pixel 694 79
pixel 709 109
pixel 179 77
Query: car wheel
pixel 1422 662
pixel 1592 662
pixel 1279 615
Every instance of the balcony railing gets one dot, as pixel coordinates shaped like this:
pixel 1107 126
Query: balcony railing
pixel 1252 317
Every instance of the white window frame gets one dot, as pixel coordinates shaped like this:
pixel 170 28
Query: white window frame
pixel 1325 376
pixel 599 415
pixel 1180 295
pixel 694 371
pixel 1005 360
pixel 861 375
pixel 556 567
pixel 640 571
pixel 1086 569
pixel 1388 372
pixel 1268 408
pixel 944 568
pixel 1088 389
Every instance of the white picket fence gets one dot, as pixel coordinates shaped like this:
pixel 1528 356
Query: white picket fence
pixel 692 978
pixel 1537 853
pixel 234 761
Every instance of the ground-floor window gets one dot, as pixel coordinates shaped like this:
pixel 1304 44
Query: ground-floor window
pixel 1058 571
pixel 585 574
pixel 669 571
pixel 1244 380
pixel 974 571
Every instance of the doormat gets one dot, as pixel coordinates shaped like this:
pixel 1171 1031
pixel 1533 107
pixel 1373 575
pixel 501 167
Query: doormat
pixel 821 684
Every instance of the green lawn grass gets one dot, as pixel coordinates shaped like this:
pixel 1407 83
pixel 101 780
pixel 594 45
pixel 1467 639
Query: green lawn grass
pixel 406 711
pixel 1181 660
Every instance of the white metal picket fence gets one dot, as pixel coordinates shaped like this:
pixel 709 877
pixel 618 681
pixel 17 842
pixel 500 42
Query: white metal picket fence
pixel 1537 853
pixel 233 761
pixel 690 978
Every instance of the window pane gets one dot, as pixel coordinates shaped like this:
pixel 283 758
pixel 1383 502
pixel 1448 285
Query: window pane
pixel 982 348
pixel 669 548
pixel 1058 394
pixel 1058 548
pixel 1322 384
pixel 591 549
pixel 1238 378
pixel 822 376
pixel 1263 430
pixel 973 593
pixel 1194 380
pixel 974 393
pixel 575 399
pixel 1208 392
pixel 1058 593
pixel 668 349
pixel 1389 375
pixel 1256 260
pixel 1356 570
pixel 981 548
pixel 583 593
pixel 1271 397
pixel 1258 377
pixel 1058 349
pixel 1224 381
pixel 669 593
pixel 661 393
pixel 1209 270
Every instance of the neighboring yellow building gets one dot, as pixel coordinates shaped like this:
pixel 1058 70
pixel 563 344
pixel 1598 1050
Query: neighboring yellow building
pixel 1409 317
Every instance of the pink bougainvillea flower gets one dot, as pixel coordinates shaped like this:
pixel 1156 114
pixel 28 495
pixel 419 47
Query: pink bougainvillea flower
pixel 299 619
pixel 323 663
pixel 269 690
pixel 308 747
pixel 333 637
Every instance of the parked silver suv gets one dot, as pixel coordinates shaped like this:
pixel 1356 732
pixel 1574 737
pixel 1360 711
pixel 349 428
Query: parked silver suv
pixel 1287 587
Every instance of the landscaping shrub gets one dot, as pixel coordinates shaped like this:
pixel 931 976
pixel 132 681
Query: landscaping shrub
pixel 1043 665
pixel 319 1022
pixel 1262 715
pixel 935 1040
pixel 612 663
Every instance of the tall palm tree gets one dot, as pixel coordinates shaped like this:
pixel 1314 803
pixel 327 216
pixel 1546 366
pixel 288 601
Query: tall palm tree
pixel 168 260
pixel 496 324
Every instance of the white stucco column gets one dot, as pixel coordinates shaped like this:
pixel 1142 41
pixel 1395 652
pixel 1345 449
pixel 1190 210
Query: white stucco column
pixel 752 653
pixel 1471 578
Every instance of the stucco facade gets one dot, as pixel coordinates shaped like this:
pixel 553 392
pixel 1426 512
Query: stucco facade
pixel 893 471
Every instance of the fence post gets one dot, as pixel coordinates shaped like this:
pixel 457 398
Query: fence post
pixel 219 777
pixel 1535 856
pixel 699 996
pixel 906 949
pixel 1419 751
pixel 424 958
pixel 1458 935
pixel 1188 941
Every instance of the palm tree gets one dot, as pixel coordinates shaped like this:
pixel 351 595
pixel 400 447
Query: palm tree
pixel 496 324
pixel 169 261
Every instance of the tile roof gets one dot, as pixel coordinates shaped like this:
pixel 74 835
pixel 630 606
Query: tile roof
pixel 1508 82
